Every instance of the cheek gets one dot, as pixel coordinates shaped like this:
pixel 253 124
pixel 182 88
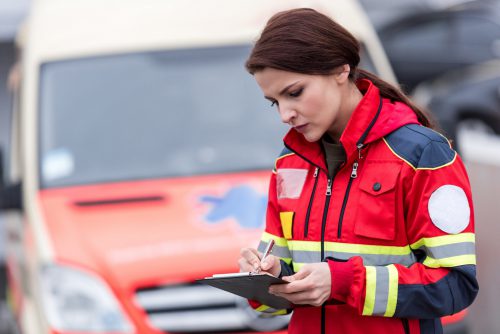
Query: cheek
pixel 313 106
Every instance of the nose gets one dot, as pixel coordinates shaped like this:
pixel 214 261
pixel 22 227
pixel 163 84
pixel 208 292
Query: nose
pixel 287 114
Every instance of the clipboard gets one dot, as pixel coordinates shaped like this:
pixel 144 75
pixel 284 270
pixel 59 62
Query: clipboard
pixel 250 286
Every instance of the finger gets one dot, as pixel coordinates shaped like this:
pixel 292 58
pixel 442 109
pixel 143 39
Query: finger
pixel 300 298
pixel 244 265
pixel 252 257
pixel 293 287
pixel 269 262
pixel 312 296
pixel 300 275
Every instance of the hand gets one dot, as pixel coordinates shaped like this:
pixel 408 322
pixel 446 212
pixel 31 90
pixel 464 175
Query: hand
pixel 311 285
pixel 250 261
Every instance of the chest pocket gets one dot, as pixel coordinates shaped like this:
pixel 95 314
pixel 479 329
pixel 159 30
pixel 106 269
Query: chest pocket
pixel 376 213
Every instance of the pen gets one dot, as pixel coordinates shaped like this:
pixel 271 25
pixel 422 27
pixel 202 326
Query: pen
pixel 267 251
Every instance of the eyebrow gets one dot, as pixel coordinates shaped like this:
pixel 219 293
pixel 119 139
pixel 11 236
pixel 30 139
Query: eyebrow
pixel 283 91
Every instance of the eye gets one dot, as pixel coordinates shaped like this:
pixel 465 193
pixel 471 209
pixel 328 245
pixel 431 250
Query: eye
pixel 274 103
pixel 296 93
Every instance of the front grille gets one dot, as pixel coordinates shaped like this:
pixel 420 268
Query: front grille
pixel 195 308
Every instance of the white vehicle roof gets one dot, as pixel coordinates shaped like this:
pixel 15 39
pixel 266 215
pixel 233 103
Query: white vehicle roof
pixel 62 29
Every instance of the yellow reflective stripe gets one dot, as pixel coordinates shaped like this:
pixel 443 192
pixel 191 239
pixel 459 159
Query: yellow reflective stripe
pixel 270 310
pixel 348 248
pixel 448 262
pixel 262 308
pixel 279 241
pixel 314 246
pixel 392 299
pixel 298 265
pixel 373 255
pixel 444 240
pixel 371 287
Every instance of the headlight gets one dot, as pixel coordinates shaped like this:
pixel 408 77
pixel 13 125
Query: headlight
pixel 78 301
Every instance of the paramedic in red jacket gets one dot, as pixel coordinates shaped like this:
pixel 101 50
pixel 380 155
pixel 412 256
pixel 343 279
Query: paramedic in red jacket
pixel 370 209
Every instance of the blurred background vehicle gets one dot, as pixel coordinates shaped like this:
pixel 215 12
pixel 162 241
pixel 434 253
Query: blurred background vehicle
pixel 466 100
pixel 138 161
pixel 427 40
pixel 425 44
pixel 11 15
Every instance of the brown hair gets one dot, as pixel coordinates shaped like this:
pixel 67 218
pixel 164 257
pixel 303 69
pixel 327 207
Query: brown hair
pixel 305 41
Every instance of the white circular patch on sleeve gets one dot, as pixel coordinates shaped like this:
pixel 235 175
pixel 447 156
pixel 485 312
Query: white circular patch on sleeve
pixel 449 209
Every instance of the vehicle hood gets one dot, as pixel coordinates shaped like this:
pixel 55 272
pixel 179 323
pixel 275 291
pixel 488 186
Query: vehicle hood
pixel 146 233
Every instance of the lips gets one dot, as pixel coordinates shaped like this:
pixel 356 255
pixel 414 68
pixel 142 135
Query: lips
pixel 300 128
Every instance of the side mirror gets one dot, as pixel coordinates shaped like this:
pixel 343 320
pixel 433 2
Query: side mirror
pixel 10 194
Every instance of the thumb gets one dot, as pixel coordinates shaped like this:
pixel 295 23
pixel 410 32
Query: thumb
pixel 301 274
pixel 268 263
pixel 265 265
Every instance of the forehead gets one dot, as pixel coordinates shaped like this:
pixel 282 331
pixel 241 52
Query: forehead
pixel 271 80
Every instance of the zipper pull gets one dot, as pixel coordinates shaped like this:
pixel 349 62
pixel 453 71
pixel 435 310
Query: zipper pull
pixel 329 187
pixel 316 172
pixel 360 147
pixel 354 173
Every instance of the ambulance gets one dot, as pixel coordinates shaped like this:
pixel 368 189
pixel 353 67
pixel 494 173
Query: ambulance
pixel 139 162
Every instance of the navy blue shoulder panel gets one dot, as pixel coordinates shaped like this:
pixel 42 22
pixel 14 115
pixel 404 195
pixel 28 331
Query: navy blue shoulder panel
pixel 420 146
pixel 285 151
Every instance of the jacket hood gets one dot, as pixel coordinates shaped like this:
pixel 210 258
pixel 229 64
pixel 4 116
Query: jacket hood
pixel 372 119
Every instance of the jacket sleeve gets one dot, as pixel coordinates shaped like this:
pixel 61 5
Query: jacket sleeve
pixel 440 229
pixel 274 231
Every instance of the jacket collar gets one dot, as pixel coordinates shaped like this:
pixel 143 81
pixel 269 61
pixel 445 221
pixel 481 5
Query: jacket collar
pixel 373 118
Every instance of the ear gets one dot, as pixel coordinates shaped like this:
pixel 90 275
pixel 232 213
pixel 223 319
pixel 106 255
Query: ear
pixel 342 75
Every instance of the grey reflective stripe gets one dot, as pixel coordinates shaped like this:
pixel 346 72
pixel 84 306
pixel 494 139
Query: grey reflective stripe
pixel 368 259
pixel 382 291
pixel 445 251
pixel 306 256
pixel 279 251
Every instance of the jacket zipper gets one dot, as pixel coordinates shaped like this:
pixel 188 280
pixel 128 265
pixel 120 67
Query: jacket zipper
pixel 308 214
pixel 354 174
pixel 406 325
pixel 325 214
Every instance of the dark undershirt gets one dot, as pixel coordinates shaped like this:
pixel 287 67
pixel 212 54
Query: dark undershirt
pixel 334 154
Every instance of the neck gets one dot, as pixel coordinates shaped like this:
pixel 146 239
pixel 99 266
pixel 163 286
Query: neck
pixel 352 97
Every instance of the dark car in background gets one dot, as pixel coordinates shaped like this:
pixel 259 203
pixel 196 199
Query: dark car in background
pixel 424 44
pixel 446 54
pixel 465 100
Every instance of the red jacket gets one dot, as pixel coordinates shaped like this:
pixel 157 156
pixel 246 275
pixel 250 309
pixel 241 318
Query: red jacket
pixel 396 224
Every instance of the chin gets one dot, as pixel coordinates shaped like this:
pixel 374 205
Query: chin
pixel 311 137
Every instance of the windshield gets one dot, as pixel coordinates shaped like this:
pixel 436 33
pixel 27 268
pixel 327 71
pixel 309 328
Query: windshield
pixel 155 114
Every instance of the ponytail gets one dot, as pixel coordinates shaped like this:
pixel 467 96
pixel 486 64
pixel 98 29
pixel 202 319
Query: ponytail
pixel 395 94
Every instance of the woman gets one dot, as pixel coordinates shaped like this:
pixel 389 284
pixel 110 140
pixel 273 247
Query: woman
pixel 370 209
